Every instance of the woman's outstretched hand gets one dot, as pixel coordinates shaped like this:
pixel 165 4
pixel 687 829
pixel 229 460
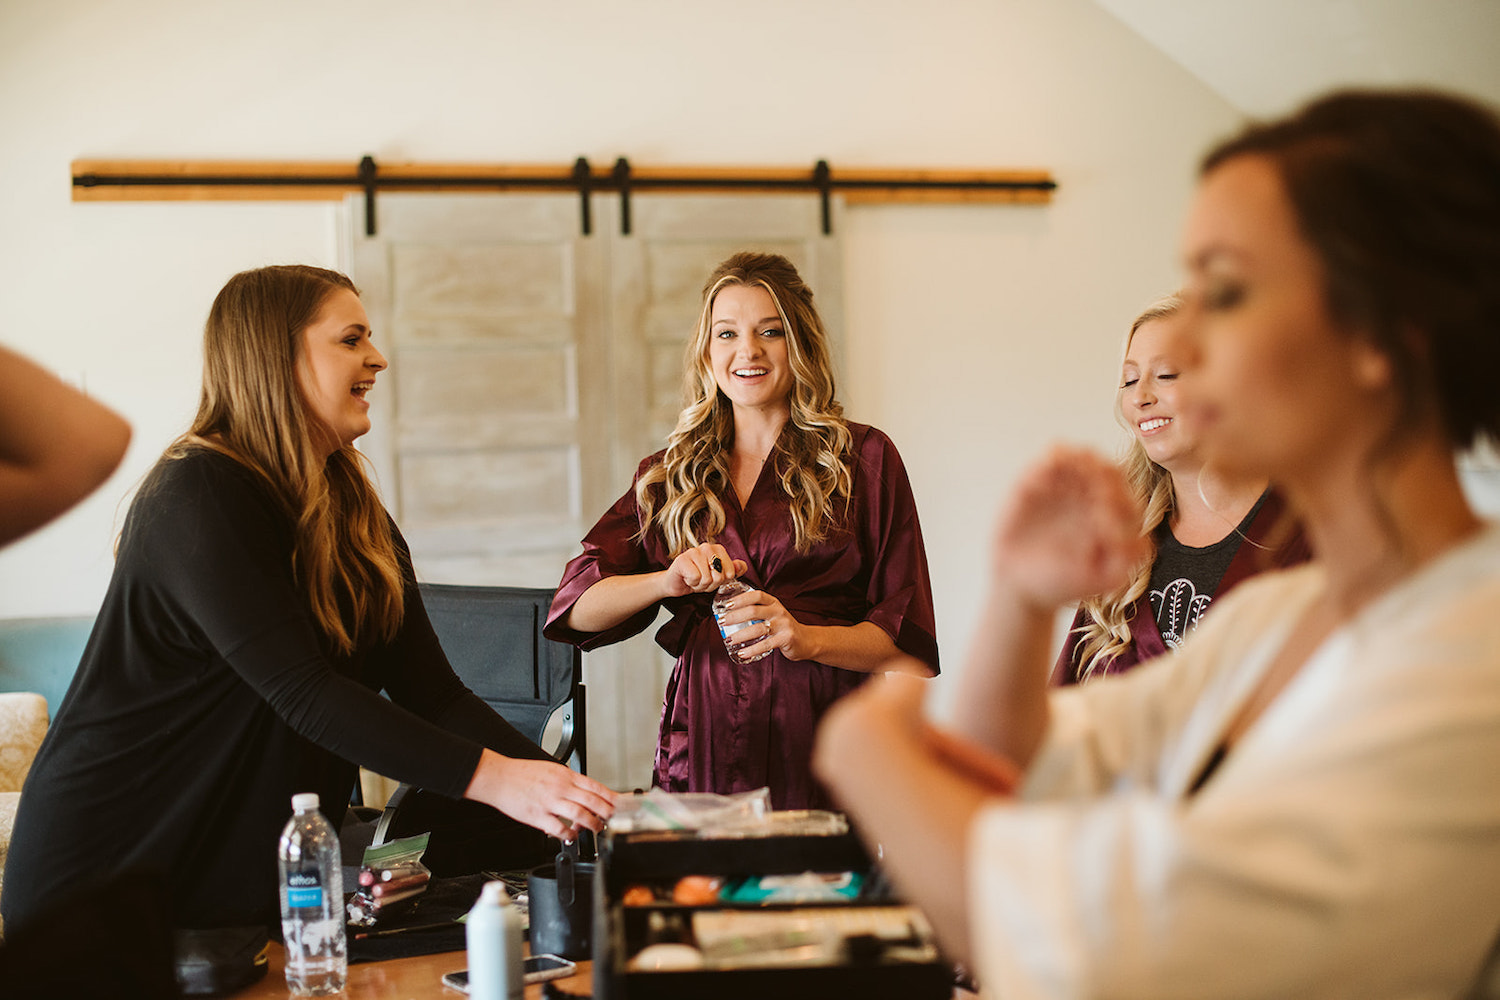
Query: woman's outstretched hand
pixel 541 793
pixel 1071 529
pixel 700 569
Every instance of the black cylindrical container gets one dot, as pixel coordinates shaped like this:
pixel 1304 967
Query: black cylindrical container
pixel 561 904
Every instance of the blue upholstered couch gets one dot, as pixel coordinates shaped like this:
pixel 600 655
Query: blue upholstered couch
pixel 41 654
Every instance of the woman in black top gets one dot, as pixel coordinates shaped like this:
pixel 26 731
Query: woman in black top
pixel 261 600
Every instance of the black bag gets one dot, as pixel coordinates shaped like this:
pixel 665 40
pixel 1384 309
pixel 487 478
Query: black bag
pixel 219 960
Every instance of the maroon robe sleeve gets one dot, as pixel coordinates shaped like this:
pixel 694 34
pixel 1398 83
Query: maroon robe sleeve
pixel 611 548
pixel 899 591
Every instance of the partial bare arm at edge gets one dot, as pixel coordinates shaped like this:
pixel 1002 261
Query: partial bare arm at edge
pixel 56 445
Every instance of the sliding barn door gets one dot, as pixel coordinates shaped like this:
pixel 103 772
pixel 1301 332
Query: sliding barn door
pixel 532 367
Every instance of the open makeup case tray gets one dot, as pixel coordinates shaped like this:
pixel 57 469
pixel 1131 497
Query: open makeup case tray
pixel 628 859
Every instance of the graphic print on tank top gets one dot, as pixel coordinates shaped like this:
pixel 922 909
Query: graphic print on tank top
pixel 1184 578
pixel 1178 607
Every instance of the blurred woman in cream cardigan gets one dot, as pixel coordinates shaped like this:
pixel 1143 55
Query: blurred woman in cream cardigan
pixel 1301 801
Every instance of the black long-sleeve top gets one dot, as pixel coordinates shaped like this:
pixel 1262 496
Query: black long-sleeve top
pixel 206 698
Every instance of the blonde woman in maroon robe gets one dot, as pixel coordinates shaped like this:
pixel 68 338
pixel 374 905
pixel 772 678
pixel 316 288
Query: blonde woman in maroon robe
pixel 763 480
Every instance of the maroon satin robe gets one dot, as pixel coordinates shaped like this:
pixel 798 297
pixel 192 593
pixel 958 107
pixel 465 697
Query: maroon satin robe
pixel 731 728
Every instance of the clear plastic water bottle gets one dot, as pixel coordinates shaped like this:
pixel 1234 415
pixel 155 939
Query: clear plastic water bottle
pixel 312 901
pixel 725 594
pixel 492 934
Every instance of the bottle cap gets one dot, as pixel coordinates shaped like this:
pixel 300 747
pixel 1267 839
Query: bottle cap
pixel 494 894
pixel 304 801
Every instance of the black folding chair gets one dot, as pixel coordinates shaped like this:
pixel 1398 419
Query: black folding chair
pixel 493 638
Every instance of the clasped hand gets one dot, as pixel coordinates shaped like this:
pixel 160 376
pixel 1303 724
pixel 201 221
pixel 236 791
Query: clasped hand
pixel 701 569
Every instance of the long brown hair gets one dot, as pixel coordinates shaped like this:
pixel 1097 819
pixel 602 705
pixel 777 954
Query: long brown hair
pixel 253 410
pixel 680 494
pixel 1105 630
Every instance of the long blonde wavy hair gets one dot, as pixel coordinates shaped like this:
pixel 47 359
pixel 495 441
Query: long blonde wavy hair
pixel 253 410
pixel 1105 630
pixel 680 494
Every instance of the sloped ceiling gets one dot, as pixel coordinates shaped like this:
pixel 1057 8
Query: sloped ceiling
pixel 1266 56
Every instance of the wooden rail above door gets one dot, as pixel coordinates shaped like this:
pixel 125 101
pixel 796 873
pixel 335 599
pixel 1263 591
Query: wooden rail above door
pixel 228 180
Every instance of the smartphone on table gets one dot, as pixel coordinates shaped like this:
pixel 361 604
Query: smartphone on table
pixel 536 969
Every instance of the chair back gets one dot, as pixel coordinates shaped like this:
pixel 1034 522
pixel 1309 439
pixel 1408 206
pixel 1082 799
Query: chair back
pixel 493 638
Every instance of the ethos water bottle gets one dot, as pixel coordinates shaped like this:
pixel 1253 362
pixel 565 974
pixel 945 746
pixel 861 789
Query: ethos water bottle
pixel 736 636
pixel 492 934
pixel 312 901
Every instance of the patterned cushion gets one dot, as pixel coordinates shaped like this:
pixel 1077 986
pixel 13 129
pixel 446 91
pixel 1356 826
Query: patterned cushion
pixel 23 723
pixel 8 802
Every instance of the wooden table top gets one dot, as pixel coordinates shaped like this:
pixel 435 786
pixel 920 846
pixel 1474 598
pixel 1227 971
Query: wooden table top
pixel 419 978
pixel 414 978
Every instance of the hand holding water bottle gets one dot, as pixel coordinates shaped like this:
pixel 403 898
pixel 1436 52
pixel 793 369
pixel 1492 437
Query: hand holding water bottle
pixel 739 635
pixel 754 623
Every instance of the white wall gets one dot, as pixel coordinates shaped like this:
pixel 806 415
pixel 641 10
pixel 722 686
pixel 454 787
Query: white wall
pixel 976 334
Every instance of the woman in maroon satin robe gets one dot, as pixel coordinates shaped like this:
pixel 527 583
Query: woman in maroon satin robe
pixel 762 480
